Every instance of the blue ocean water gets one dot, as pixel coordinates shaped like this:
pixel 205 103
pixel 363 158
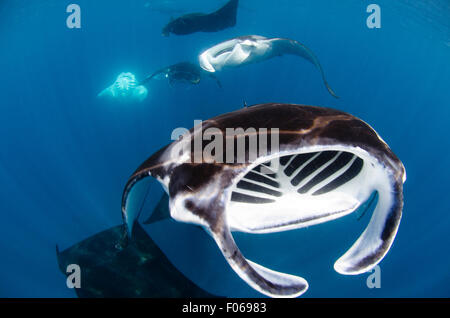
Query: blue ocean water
pixel 66 155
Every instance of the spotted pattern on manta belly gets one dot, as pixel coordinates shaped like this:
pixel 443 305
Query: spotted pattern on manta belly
pixel 327 164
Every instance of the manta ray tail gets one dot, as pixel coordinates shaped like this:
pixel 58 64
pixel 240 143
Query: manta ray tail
pixel 377 238
pixel 264 280
pixel 219 84
pixel 288 46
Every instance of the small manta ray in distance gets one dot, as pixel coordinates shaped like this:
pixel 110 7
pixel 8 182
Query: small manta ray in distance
pixel 185 72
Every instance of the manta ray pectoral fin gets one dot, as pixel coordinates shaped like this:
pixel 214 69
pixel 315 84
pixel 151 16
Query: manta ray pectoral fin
pixel 264 280
pixel 106 92
pixel 374 243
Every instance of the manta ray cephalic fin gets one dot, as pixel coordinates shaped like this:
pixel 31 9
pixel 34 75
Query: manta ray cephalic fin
pixel 370 248
pixel 264 280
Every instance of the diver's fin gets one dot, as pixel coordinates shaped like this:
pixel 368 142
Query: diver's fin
pixel 374 243
pixel 264 280
pixel 161 211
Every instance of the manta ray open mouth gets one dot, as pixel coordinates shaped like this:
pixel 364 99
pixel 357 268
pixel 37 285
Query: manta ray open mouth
pixel 316 180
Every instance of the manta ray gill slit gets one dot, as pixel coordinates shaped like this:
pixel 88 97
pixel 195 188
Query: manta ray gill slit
pixel 296 186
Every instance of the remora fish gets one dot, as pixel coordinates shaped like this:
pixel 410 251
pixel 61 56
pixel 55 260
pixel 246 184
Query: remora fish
pixel 330 163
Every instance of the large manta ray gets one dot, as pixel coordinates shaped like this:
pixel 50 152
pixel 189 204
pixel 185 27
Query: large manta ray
pixel 250 49
pixel 329 164
pixel 221 19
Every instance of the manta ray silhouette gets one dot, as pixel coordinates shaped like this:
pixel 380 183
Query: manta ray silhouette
pixel 329 164
pixel 221 19
pixel 181 72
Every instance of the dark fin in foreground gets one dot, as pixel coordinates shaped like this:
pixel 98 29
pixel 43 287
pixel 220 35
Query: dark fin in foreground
pixel 161 211
pixel 139 270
